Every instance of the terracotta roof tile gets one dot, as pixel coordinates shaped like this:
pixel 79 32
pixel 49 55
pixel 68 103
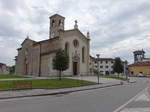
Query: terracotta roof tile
pixel 144 63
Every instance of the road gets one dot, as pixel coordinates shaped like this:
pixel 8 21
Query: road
pixel 111 99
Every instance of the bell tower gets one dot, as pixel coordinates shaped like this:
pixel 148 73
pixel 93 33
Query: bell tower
pixel 56 24
pixel 139 55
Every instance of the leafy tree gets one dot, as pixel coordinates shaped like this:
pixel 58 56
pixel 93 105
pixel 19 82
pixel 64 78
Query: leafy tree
pixel 12 69
pixel 61 62
pixel 118 67
pixel 95 71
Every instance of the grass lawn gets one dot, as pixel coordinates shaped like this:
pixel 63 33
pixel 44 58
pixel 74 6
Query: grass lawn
pixel 11 76
pixel 46 83
pixel 114 77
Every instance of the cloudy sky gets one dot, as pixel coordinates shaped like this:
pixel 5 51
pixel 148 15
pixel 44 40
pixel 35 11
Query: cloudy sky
pixel 117 27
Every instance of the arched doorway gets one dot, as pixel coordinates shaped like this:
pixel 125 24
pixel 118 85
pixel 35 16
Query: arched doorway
pixel 75 68
pixel 75 64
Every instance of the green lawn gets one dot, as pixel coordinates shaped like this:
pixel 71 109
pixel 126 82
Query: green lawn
pixel 46 83
pixel 11 76
pixel 114 77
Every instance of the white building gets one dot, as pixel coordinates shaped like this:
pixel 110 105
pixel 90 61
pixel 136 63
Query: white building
pixel 105 65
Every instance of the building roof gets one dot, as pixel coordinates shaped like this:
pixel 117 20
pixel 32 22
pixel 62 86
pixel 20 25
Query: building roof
pixel 56 15
pixel 105 59
pixel 77 30
pixel 144 63
pixel 2 64
pixel 146 58
pixel 28 39
pixel 139 51
pixel 93 58
pixel 47 40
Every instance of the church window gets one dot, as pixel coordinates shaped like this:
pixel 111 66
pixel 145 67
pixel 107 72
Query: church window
pixel 75 43
pixel 53 22
pixel 83 54
pixel 67 48
pixel 59 22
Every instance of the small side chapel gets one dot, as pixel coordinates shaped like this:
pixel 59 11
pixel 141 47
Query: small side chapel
pixel 35 58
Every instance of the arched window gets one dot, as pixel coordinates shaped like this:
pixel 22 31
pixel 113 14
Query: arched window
pixel 83 54
pixel 75 43
pixel 60 22
pixel 53 22
pixel 67 48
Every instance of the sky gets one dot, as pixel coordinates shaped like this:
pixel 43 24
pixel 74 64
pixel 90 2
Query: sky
pixel 117 27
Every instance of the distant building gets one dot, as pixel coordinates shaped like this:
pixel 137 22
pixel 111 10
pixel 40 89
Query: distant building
pixel 4 69
pixel 139 55
pixel 141 64
pixel 92 65
pixel 105 65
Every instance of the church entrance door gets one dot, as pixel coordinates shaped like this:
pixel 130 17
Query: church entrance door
pixel 75 68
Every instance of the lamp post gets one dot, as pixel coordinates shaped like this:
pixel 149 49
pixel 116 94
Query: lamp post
pixel 98 55
pixel 126 62
pixel 125 68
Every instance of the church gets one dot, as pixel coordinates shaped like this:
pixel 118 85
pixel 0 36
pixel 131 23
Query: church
pixel 35 58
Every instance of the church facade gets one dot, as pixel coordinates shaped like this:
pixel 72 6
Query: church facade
pixel 35 58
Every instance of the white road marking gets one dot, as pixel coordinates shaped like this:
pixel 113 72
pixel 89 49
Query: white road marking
pixel 136 110
pixel 142 97
pixel 132 99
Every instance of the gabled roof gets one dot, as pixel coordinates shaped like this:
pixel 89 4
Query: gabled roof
pixel 77 31
pixel 56 15
pixel 26 40
pixel 143 63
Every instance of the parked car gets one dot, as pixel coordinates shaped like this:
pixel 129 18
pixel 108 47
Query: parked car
pixel 140 75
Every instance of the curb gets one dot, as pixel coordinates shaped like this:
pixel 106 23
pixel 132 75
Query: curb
pixel 56 93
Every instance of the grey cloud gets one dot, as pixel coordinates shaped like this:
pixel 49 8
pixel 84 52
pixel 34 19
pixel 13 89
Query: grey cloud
pixel 11 5
pixel 8 28
pixel 109 22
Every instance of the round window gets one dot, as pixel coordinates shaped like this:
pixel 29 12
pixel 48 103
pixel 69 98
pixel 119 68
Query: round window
pixel 75 43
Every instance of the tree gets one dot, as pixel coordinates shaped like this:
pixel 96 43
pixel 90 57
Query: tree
pixel 95 71
pixel 118 67
pixel 61 62
pixel 12 69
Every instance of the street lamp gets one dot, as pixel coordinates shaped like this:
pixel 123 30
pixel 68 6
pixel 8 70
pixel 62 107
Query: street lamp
pixel 98 55
pixel 125 68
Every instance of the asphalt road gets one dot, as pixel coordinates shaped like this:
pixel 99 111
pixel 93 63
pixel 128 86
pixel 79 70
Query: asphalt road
pixel 97 100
